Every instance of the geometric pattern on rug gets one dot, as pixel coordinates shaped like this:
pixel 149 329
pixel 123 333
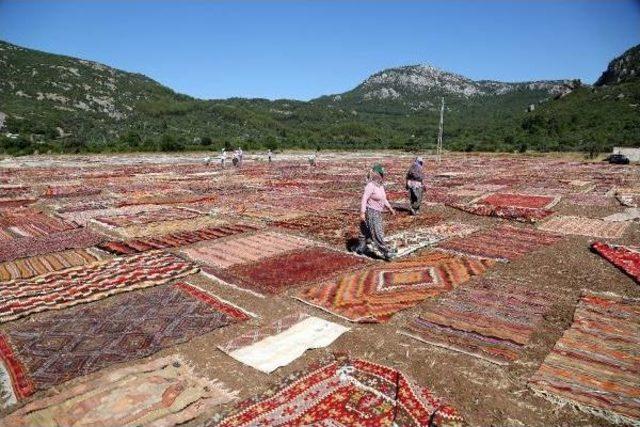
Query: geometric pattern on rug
pixel 277 274
pixel 410 241
pixel 26 268
pixel 77 285
pixel 283 341
pixel 530 201
pixel 245 249
pixel 375 294
pixel 585 227
pixel 595 365
pixel 626 258
pixel 173 240
pixel 502 243
pixel 489 320
pixel 513 213
pixel 343 392
pixel 49 350
pixel 144 217
pixel 164 391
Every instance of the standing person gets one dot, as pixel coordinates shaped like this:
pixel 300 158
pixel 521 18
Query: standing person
pixel 240 156
pixel 415 185
pixel 312 160
pixel 269 154
pixel 374 200
pixel 223 157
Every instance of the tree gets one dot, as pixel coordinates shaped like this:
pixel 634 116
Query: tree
pixel 206 141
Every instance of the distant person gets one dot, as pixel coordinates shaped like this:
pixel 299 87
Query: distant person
pixel 312 160
pixel 374 200
pixel 207 161
pixel 415 185
pixel 269 155
pixel 240 156
pixel 223 158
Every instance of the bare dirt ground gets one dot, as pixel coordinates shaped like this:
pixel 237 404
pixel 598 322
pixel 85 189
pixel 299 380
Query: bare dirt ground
pixel 486 394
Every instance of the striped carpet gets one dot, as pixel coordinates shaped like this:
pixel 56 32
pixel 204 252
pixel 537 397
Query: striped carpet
pixel 595 365
pixel 585 227
pixel 26 268
pixel 625 258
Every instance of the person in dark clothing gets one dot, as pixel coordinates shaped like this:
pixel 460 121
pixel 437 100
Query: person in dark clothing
pixel 415 185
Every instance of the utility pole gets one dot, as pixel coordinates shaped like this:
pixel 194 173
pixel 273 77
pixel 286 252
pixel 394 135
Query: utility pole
pixel 439 147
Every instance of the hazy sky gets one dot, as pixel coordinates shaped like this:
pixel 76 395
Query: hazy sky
pixel 301 50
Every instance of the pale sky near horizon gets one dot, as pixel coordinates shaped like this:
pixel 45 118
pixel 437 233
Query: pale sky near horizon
pixel 305 49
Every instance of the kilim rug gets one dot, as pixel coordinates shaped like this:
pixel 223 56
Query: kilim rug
pixel 503 243
pixel 30 246
pixel 410 241
pixel 513 213
pixel 489 320
pixel 78 285
pixel 594 366
pixel 163 392
pixel 281 272
pixel 173 240
pixel 283 341
pixel 625 258
pixel 530 201
pixel 344 392
pixel 49 350
pixel 145 217
pixel 26 268
pixel 584 227
pixel 69 191
pixel 244 249
pixel 375 294
pixel 591 199
pixel 629 214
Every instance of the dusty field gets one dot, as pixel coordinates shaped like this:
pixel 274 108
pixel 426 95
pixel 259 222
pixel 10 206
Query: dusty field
pixel 270 196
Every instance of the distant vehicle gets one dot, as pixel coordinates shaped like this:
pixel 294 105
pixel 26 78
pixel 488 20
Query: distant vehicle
pixel 617 159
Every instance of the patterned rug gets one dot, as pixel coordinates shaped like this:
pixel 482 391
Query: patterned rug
pixel 164 392
pixel 490 320
pixel 245 249
pixel 584 227
pixel 375 294
pixel 512 213
pixel 173 240
pixel 30 246
pixel 71 343
pixel 26 268
pixel 78 285
pixel 410 241
pixel 340 393
pixel 145 217
pixel 590 199
pixel 625 258
pixel 594 366
pixel 529 201
pixel 54 191
pixel 281 272
pixel 19 223
pixel 280 343
pixel 503 243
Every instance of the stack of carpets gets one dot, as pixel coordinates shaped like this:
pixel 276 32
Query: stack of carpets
pixel 69 191
pixel 173 240
pixel 91 282
pixel 585 227
pixel 594 366
pixel 25 268
pixel 278 273
pixel 625 258
pixel 30 246
pixel 244 249
pixel 145 217
pixel 49 350
pixel 489 320
pixel 503 243
pixel 344 392
pixel 164 392
pixel 283 341
pixel 377 293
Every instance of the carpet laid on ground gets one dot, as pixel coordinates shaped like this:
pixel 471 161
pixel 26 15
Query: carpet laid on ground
pixel 245 249
pixel 30 246
pixel 375 294
pixel 626 258
pixel 26 268
pixel 173 240
pixel 283 341
pixel 513 213
pixel 92 282
pixel 530 201
pixel 281 272
pixel 585 227
pixel 162 392
pixel 344 392
pixel 146 217
pixel 595 364
pixel 410 241
pixel 54 191
pixel 49 350
pixel 487 319
pixel 503 243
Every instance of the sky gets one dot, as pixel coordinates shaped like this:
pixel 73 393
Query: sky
pixel 305 49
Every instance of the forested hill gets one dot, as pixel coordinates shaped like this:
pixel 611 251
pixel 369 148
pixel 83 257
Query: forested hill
pixel 56 103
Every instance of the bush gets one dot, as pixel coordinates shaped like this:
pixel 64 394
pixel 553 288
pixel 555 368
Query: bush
pixel 169 143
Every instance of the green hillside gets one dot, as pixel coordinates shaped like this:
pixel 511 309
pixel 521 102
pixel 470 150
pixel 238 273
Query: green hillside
pixel 55 103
